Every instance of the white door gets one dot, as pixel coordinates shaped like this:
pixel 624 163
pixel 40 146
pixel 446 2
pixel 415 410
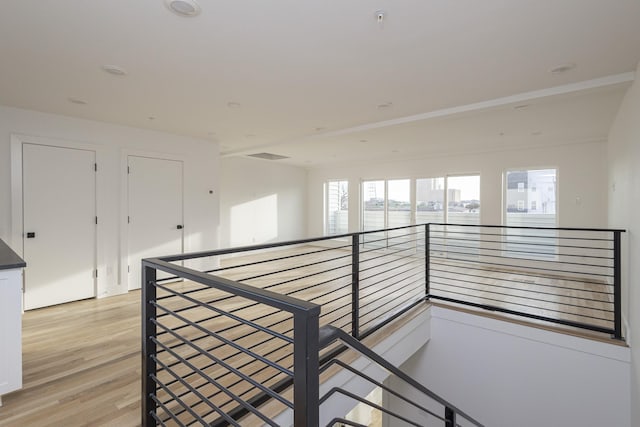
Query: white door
pixel 155 211
pixel 59 235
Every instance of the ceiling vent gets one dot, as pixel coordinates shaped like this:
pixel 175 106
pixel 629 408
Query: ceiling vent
pixel 267 156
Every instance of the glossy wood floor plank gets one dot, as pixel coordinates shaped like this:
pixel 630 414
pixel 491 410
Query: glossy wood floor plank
pixel 81 366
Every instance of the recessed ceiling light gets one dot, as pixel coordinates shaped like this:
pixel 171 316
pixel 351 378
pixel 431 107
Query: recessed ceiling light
pixel 233 104
pixel 319 128
pixel 395 151
pixel 250 135
pixel 364 140
pixel 501 134
pixel 77 101
pixel 385 105
pixel 151 118
pixel 536 133
pixel 563 68
pixel 115 70
pixel 521 107
pixel 187 8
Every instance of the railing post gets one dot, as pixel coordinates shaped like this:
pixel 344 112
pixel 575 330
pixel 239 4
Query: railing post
pixel 355 286
pixel 427 252
pixel 449 417
pixel 617 285
pixel 148 346
pixel 306 381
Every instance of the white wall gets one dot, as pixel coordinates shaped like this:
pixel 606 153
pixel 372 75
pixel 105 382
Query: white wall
pixel 504 374
pixel 624 205
pixel 581 173
pixel 112 143
pixel 261 201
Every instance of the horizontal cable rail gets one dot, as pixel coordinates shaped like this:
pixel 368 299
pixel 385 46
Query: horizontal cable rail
pixel 568 276
pixel 203 361
pixel 223 336
pixel 226 331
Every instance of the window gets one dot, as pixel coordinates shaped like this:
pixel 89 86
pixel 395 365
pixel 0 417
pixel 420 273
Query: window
pixel 429 200
pixel 399 205
pixel 539 194
pixel 386 204
pixel 373 205
pixel 542 212
pixel 463 199
pixel 337 207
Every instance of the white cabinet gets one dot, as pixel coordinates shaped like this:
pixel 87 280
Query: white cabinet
pixel 10 321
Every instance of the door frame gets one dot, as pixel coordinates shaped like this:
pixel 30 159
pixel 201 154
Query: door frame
pixel 17 211
pixel 123 277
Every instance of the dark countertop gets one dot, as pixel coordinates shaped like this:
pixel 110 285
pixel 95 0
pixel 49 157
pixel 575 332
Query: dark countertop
pixel 8 258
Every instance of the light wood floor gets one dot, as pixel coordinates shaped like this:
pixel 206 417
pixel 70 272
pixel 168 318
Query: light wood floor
pixel 81 366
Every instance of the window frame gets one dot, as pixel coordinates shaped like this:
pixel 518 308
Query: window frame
pixel 326 205
pixel 552 255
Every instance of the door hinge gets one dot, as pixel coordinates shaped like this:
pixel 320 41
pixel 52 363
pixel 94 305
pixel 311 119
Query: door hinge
pixel 96 273
pixel 95 167
pixel 128 269
pixel 96 220
pixel 128 220
pixel 128 169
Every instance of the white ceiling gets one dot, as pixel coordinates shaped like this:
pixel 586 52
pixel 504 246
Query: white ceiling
pixel 309 75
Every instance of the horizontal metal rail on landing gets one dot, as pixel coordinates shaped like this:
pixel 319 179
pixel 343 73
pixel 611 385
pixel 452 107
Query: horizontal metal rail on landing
pixel 566 275
pixel 350 285
pixel 240 333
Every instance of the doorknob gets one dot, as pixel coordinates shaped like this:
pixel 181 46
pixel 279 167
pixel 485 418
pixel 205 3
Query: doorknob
pixel 31 235
pixel 179 227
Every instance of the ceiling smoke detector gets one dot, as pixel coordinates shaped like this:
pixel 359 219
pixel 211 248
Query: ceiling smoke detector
pixel 186 8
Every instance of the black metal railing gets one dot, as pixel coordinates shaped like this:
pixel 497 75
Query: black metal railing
pixel 231 336
pixel 568 276
pixel 215 350
pixel 201 363
pixel 422 407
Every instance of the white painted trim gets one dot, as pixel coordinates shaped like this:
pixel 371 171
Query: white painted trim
pixel 446 112
pixel 521 97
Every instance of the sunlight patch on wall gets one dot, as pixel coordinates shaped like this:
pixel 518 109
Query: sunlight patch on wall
pixel 255 221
